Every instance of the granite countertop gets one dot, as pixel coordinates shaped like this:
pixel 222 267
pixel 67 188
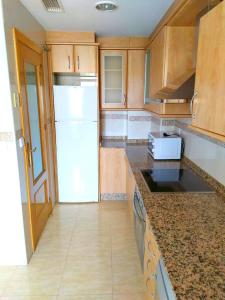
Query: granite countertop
pixel 189 229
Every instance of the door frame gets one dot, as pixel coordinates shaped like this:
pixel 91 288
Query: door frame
pixel 19 37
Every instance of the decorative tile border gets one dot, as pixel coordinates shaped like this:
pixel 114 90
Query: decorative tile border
pixel 156 120
pixel 140 118
pixel 6 137
pixel 168 122
pixel 113 196
pixel 137 142
pixel 113 117
pixel 186 128
pixel 114 138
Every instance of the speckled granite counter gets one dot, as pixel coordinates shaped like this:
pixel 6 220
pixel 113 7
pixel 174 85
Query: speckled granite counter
pixel 189 229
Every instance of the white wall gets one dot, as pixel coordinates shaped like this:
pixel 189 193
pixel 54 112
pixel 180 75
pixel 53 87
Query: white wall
pixel 14 221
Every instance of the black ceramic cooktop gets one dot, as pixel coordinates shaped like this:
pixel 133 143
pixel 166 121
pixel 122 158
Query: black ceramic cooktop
pixel 175 180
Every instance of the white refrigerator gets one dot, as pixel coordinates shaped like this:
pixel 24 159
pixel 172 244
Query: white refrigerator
pixel 77 141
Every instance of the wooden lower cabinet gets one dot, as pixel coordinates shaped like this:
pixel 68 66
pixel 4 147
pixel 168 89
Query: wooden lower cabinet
pixel 112 171
pixel 130 188
pixel 151 260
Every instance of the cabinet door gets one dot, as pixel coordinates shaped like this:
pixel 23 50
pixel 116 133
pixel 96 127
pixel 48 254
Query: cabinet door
pixel 113 78
pixel 136 78
pixel 85 59
pixel 112 170
pixel 209 104
pixel 157 64
pixel 62 59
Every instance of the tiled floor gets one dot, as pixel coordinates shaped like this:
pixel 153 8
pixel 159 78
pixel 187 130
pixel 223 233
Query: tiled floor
pixel 87 252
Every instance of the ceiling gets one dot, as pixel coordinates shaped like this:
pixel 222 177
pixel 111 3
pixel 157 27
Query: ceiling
pixel 132 18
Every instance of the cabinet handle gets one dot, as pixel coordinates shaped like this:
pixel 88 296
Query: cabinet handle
pixel 192 101
pixel 124 99
pixel 78 62
pixel 69 62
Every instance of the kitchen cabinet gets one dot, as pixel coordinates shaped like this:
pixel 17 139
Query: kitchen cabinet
pixel 136 79
pixel 85 59
pixel 172 61
pixel 62 58
pixel 113 78
pixel 209 100
pixel 112 171
pixel 130 188
pixel 70 59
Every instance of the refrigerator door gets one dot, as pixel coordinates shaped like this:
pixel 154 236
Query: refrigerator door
pixel 77 158
pixel 76 103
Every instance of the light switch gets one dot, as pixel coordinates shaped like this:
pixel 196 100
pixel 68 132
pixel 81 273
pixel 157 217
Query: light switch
pixel 15 100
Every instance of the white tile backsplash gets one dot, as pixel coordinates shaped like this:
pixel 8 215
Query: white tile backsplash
pixel 207 155
pixel 139 124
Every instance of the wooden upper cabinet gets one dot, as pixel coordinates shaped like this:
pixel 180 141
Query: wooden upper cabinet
pixel 136 78
pixel 62 58
pixel 113 78
pixel 85 59
pixel 209 102
pixel 172 60
pixel 78 59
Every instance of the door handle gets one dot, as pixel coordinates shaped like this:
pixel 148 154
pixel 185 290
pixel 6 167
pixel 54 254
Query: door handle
pixel 33 150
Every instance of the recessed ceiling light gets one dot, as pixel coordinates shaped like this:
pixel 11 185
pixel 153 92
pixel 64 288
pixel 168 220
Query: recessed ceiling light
pixel 106 5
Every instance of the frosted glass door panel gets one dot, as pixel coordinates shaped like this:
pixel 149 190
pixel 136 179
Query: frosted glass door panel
pixel 113 79
pixel 113 62
pixel 33 107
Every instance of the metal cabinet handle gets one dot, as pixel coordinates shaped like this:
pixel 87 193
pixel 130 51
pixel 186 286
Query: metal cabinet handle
pixel 192 101
pixel 78 62
pixel 69 62
pixel 124 99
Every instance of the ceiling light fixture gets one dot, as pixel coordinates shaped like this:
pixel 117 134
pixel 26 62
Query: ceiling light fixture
pixel 106 5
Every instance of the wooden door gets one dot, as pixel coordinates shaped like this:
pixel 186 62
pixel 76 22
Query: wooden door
pixel 209 103
pixel 29 59
pixel 113 78
pixel 85 59
pixel 62 59
pixel 136 78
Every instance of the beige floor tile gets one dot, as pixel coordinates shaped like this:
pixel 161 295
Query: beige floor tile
pixel 6 274
pixel 86 297
pixel 29 286
pixel 140 296
pixel 30 298
pixel 127 275
pixel 55 246
pixel 90 249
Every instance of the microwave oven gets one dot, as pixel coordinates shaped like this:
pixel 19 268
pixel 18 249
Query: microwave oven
pixel 164 146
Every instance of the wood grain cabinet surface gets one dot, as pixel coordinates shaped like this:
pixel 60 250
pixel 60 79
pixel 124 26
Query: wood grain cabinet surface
pixel 74 58
pixel 62 59
pixel 130 188
pixel 172 60
pixel 209 102
pixel 112 170
pixel 85 59
pixel 136 78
